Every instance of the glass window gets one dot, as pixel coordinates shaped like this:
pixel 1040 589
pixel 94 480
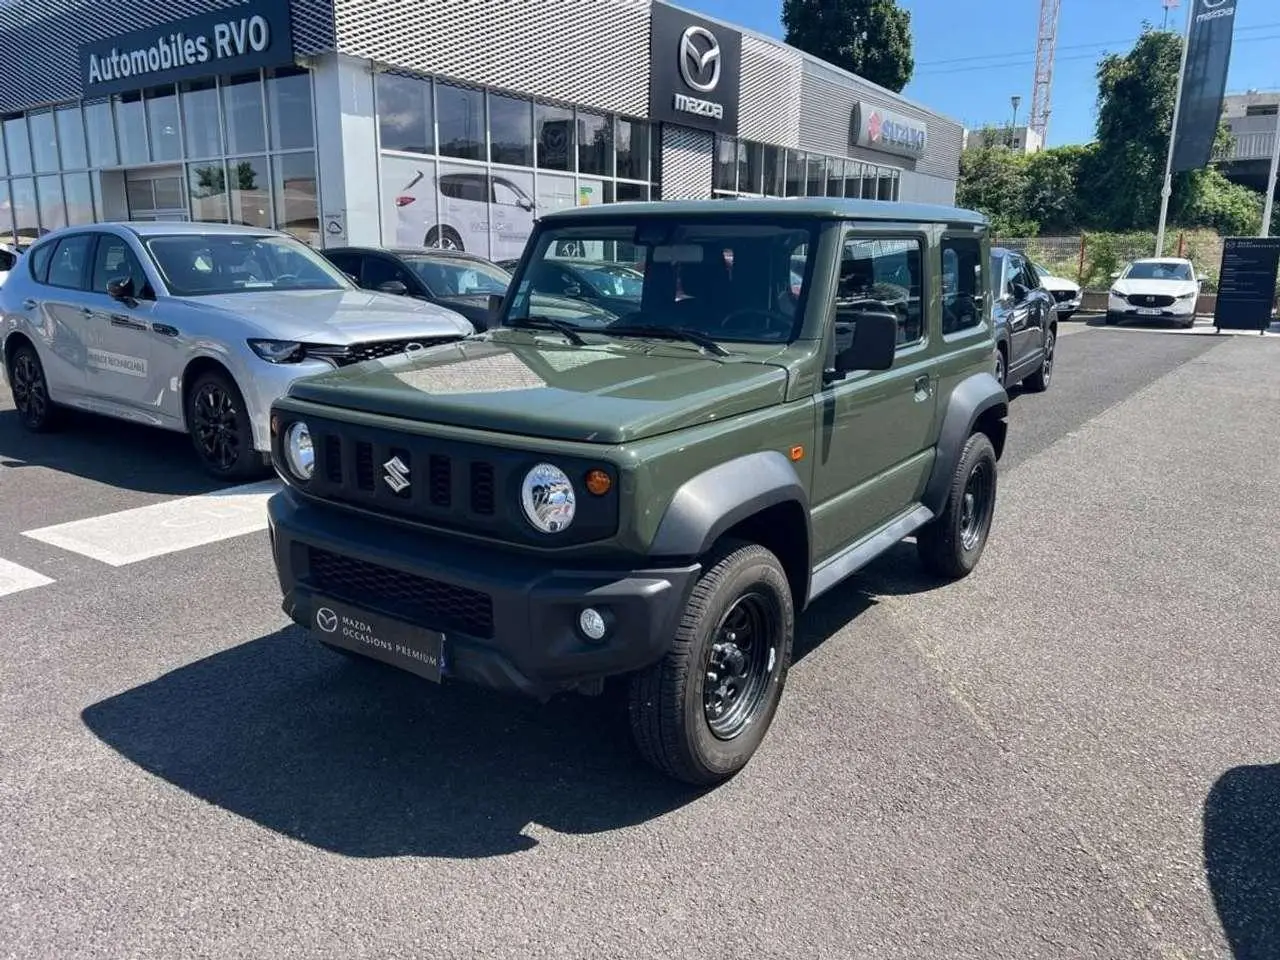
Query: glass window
pixel 632 191
pixel 409 208
pixel 348 263
pixel 26 216
pixel 406 119
pixel 101 134
pixel 510 130
pixel 162 124
pixel 884 189
pixel 44 141
pixel 555 137
pixel 4 160
pixel 962 283
pixel 53 211
pixel 250 191
pixel 78 198
pixel 852 179
pixel 380 270
pixel 749 174
pixel 633 149
pixel 38 261
pixel 242 114
pixel 6 213
pixel 201 124
pixel 882 275
pixel 7 259
pixel 772 162
pixel 297 201
pixel 795 174
pixel 289 103
pixel 70 260
pixel 870 176
pixel 131 129
pixel 724 175
pixel 114 260
pixel 461 122
pixel 595 144
pixel 71 138
pixel 724 277
pixel 816 176
pixel 207 191
pixel 459 277
pixel 17 145
pixel 217 264
pixel 170 193
pixel 138 194
pixel 835 177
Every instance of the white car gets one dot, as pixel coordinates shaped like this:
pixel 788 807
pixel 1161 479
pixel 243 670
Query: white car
pixel 8 257
pixel 1066 293
pixel 475 207
pixel 1155 288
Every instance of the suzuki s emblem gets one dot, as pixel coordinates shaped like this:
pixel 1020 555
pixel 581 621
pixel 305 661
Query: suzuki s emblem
pixel 700 59
pixel 397 475
pixel 326 620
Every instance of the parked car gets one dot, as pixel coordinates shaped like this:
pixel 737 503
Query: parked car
pixel 458 281
pixel 613 286
pixel 1155 288
pixel 1066 293
pixel 654 500
pixel 8 257
pixel 191 327
pixel 1025 318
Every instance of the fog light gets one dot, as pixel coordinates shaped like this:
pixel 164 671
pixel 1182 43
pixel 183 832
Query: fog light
pixel 592 624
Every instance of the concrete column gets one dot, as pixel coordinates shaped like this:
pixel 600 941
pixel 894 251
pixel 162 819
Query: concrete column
pixel 346 151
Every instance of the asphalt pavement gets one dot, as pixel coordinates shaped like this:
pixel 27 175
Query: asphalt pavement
pixel 1070 754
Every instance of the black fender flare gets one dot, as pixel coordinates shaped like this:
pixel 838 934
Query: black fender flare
pixel 705 506
pixel 973 397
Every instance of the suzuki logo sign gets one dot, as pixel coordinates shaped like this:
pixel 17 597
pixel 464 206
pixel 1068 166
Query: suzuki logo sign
pixel 876 128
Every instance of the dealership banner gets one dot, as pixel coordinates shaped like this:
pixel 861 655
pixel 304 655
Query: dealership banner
pixel 1204 82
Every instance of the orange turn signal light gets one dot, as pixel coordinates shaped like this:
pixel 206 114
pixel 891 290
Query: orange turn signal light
pixel 797 452
pixel 598 482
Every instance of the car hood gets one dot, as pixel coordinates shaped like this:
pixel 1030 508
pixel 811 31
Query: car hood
pixel 1168 288
pixel 336 316
pixel 521 383
pixel 1058 283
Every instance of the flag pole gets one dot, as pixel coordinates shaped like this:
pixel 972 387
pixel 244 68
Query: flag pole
pixel 1167 190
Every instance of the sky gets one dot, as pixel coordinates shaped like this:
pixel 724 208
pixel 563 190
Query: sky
pixel 973 55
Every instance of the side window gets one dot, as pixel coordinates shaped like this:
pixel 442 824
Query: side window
pixel 380 270
pixel 114 259
pixel 1032 275
pixel 1017 273
pixel 38 262
pixel 963 284
pixel 7 260
pixel 348 263
pixel 881 274
pixel 70 257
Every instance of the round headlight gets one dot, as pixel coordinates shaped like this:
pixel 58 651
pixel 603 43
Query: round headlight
pixel 548 498
pixel 298 452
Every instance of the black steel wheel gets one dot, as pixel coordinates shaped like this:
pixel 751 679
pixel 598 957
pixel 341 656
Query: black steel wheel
pixel 30 390
pixel 951 545
pixel 220 429
pixel 700 713
pixel 1040 380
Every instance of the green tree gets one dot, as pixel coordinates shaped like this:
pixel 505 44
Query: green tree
pixel 1053 192
pixel 871 38
pixel 993 181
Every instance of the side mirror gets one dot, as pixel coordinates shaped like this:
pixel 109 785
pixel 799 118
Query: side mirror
pixel 495 305
pixel 573 290
pixel 1116 275
pixel 393 286
pixel 121 288
pixel 873 343
pixel 1020 292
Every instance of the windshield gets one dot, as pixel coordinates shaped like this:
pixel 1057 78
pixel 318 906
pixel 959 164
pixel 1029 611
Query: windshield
pixel 726 278
pixel 459 278
pixel 1155 270
pixel 204 265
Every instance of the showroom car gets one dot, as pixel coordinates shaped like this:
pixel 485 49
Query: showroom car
pixel 1066 293
pixel 458 281
pixel 1164 288
pixel 192 327
pixel 475 207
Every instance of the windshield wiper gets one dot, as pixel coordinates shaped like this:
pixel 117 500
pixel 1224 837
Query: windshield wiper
pixel 665 333
pixel 569 331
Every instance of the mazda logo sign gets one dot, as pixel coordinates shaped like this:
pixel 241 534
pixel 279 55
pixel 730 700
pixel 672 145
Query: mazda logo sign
pixel 700 59
pixel 326 620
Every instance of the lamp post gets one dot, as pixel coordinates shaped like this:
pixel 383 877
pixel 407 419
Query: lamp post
pixel 1016 101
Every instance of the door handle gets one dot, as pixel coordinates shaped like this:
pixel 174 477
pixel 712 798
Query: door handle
pixel 29 304
pixel 86 311
pixel 164 329
pixel 119 320
pixel 924 388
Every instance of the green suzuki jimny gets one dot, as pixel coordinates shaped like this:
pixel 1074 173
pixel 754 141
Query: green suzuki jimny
pixel 687 421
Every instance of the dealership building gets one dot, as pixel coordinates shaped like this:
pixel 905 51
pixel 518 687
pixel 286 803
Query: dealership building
pixel 427 121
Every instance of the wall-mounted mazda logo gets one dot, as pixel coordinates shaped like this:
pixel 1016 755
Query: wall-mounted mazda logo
pixel 326 620
pixel 700 59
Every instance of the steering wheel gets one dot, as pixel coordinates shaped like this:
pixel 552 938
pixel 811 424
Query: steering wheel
pixel 772 319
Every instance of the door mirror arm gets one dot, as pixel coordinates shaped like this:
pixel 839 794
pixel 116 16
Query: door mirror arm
pixel 121 289
pixel 873 346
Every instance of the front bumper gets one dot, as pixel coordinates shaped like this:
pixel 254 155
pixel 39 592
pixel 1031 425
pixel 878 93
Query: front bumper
pixel 510 622
pixel 264 383
pixel 1179 309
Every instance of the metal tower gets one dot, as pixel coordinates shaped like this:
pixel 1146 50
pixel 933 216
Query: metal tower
pixel 1042 88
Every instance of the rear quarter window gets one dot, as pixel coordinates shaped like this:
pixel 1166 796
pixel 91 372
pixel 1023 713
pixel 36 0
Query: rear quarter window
pixel 38 262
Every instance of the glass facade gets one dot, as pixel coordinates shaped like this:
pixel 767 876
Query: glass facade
pixel 237 149
pixel 471 169
pixel 747 169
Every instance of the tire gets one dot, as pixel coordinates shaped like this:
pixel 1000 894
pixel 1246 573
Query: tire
pixel 445 238
pixel 951 545
pixel 1188 324
pixel 1001 365
pixel 679 719
pixel 1066 314
pixel 1112 319
pixel 1040 380
pixel 220 429
pixel 30 390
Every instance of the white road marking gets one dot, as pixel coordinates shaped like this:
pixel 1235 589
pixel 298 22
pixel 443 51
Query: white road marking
pixel 145 532
pixel 14 578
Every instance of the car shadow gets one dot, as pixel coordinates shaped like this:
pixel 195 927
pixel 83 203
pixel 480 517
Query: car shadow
pixel 1160 325
pixel 1242 858
pixel 106 450
pixel 362 760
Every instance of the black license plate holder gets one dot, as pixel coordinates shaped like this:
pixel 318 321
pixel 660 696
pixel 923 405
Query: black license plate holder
pixel 395 642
